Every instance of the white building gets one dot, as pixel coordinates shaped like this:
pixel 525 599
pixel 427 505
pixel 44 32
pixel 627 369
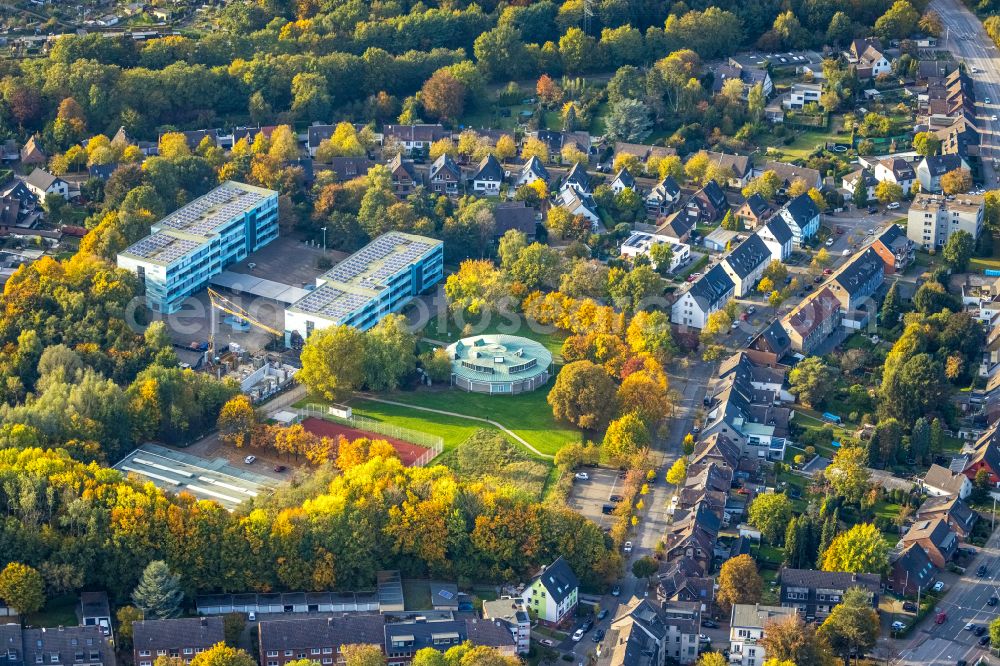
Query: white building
pixel 580 204
pixel 802 217
pixel 42 182
pixel 552 595
pixel 488 177
pixel 623 181
pixel 777 237
pixel 747 628
pixel 746 263
pixel 639 243
pixel 930 170
pixel 707 294
pixel 533 170
pixel 802 94
pixel 933 218
pixel 512 612
pixel 896 170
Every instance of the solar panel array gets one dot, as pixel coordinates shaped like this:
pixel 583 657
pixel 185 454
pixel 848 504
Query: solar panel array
pixel 206 213
pixel 331 302
pixel 162 247
pixel 392 252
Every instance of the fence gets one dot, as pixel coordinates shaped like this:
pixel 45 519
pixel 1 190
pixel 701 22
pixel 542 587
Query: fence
pixel 433 443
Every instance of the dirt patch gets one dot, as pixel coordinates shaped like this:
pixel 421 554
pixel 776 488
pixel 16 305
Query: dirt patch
pixel 407 451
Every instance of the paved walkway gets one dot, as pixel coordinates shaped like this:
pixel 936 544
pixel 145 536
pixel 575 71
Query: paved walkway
pixel 507 430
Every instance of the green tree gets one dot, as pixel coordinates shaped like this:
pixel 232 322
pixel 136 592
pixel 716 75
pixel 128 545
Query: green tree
pixel 995 633
pixel 770 513
pixel 861 549
pixel 840 30
pixel 584 395
pixel 926 143
pixel 390 354
pixel 233 625
pixel 126 615
pixel 333 361
pixel 790 639
pixel 629 121
pixel 739 582
pixel 898 22
pixel 23 588
pixel 813 381
pixel 626 436
pixel 891 306
pixel 661 254
pixel 645 567
pixel 860 195
pixel 158 593
pixel 631 289
pixel 958 250
pixel 853 625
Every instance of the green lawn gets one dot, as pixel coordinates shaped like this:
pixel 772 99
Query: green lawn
pixel 805 143
pixel 528 415
pixel 58 612
pixel 451 429
pixel 446 330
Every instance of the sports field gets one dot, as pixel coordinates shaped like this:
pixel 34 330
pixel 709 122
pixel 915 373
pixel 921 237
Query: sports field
pixel 408 452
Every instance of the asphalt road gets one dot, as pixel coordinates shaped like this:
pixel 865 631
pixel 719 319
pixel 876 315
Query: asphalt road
pixel 965 602
pixel 966 38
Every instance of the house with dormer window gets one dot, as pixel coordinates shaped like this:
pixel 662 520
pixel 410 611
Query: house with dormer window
pixel 553 594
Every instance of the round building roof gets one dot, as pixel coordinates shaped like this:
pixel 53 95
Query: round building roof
pixel 498 358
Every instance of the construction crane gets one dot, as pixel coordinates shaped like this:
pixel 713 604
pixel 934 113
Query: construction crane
pixel 220 302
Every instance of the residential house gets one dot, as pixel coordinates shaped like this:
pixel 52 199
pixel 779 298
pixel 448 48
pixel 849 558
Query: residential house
pixel 932 219
pixel 102 171
pixel 866 54
pixel 854 284
pixel 663 197
pixel 315 135
pixel 748 76
pixel 552 595
pixel 746 629
pixel 414 138
pixel 959 516
pixel 643 151
pixel 623 181
pixel 644 634
pixel 576 180
pixel 932 167
pixel 789 173
pixel 942 482
pixel 802 216
pixel 18 190
pixel 897 251
pixel 740 165
pixel 985 456
pixel 581 204
pixel 193 138
pixel 532 170
pixel 814 594
pixel 708 204
pixel 693 535
pixel 940 542
pixel 445 176
pixel 812 321
pixel 754 211
pixel 770 345
pixel 514 614
pixel 746 263
pixel 556 141
pixel 778 238
pixel 488 177
pixel 896 170
pixel 95 611
pixel 910 569
pixel 32 153
pixel 42 182
pixel 752 71
pixel 802 94
pixel 404 176
pixel 180 637
pixel 349 168
pixel 640 242
pixel 404 639
pixel 707 294
pixel 318 639
pixel 675 227
pixel 515 215
pixel 681 580
pixel 861 178
pixel 62 646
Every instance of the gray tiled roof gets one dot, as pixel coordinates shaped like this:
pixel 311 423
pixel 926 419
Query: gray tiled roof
pixel 711 287
pixel 559 580
pixel 834 580
pixel 191 632
pixel 71 644
pixel 748 256
pixel 308 632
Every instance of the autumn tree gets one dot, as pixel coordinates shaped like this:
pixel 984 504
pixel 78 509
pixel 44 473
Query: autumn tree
pixel 360 654
pixel 23 588
pixel 548 91
pixel 861 549
pixel 443 95
pixel 221 654
pixel 770 513
pixel 956 181
pixel 926 143
pixel 584 395
pixel 333 361
pixel 790 639
pixel 626 436
pixel 848 473
pixel 650 333
pixel 534 147
pixel 236 421
pixel 641 394
pixel 126 615
pixel 853 625
pixel 712 659
pixel 812 381
pixel 739 582
pixel 158 593
pixel 677 472
pixel 887 191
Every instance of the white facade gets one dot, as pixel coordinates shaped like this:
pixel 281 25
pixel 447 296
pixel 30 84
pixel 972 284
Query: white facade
pixel 686 311
pixel 932 219
pixel 640 243
pixel 744 284
pixel 779 251
pixel 802 94
pixel 885 174
pixel 747 624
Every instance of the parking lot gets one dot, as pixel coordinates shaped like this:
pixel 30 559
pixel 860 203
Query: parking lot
pixel 175 471
pixel 588 497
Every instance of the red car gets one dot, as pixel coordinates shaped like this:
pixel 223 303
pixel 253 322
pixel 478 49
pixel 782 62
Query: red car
pixel 941 618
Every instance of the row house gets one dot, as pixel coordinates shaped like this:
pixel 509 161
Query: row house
pixel 514 614
pixel 812 321
pixel 802 216
pixel 179 638
pixel 777 237
pixel 754 211
pixel 745 264
pixel 953 510
pixel 319 639
pixel 897 251
pixel 708 294
pixel 814 594
pixel 854 285
pixel 707 205
pixel 62 646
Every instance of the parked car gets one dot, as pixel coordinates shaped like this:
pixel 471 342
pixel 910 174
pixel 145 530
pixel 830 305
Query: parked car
pixel 818 279
pixel 702 638
pixel 827 271
pixel 982 570
pixel 898 626
pixel 984 640
pixel 603 614
pixel 627 547
pixel 938 586
pixel 249 460
pixel 893 206
pixel 578 634
pixel 587 625
pixel 909 607
pixel 608 509
pixel 598 636
pixel 581 476
pixel 979 630
pixel 616 590
pixel 992 601
pixel 829 242
pixel 969 626
pixel 941 618
pixel 252 616
pixel 751 309
pixel 708 624
pixel 616 498
pixel 279 468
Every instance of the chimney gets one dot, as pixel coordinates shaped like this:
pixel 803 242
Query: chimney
pixel 204 621
pixel 329 621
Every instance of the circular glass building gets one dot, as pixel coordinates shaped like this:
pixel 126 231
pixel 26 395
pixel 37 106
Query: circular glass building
pixel 504 364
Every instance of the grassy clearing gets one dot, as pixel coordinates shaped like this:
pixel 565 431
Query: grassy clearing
pixel 416 594
pixel 451 429
pixel 58 612
pixel 528 414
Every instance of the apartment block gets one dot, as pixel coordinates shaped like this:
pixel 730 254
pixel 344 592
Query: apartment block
pixel 746 629
pixel 377 280
pixel 181 637
pixel 514 614
pixel 933 218
pixel 198 241
pixel 63 646
pixel 318 639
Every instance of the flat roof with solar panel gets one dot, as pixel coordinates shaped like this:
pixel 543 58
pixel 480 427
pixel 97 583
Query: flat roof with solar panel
pixel 195 224
pixel 364 276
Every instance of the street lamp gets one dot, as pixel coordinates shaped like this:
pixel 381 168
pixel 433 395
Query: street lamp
pixel 324 240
